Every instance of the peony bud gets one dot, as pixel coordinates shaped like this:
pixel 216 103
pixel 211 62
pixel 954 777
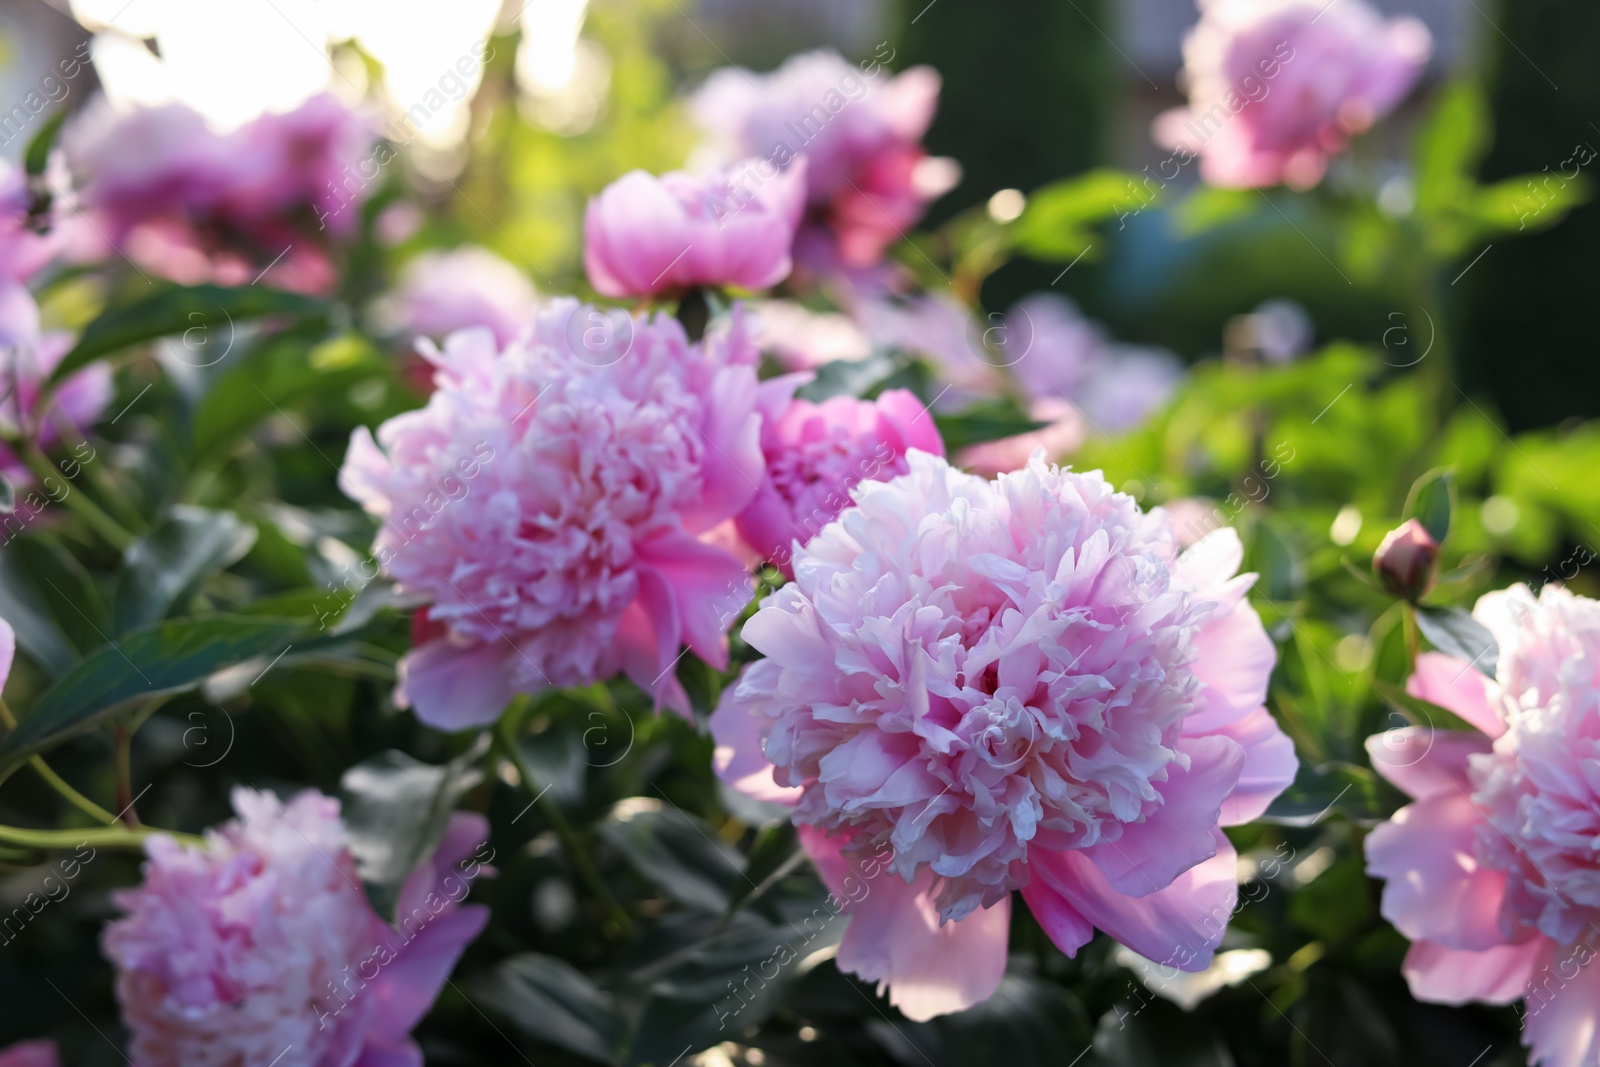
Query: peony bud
pixel 1406 560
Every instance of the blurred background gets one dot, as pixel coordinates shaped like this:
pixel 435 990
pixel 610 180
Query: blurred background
pixel 1033 90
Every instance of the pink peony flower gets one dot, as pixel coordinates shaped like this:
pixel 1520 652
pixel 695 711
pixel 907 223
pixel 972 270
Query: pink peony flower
pixel 645 235
pixel 183 201
pixel 1277 88
pixel 442 292
pixel 28 355
pixel 801 339
pixel 30 1054
pixel 1009 684
pixel 1492 869
pixel 551 500
pixel 261 946
pixel 817 453
pixel 868 178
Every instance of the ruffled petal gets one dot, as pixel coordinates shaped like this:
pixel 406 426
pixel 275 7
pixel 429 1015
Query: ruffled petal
pixel 738 759
pixel 1562 1026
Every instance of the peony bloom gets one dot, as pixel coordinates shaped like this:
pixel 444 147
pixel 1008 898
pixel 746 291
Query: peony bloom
pixel 183 201
pixel 442 292
pixel 868 178
pixel 801 339
pixel 817 453
pixel 1492 869
pixel 28 355
pixel 262 943
pixel 551 499
pixel 30 1054
pixel 1277 88
pixel 982 686
pixel 645 235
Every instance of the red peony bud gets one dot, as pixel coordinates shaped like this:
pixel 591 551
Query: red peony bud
pixel 1406 560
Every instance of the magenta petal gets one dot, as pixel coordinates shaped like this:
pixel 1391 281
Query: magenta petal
pixel 1177 835
pixel 1436 890
pixel 1061 922
pixel 709 589
pixel 454 688
pixel 390 1054
pixel 1423 762
pixel 30 1054
pixel 407 985
pixel 1179 926
pixel 8 650
pixel 1458 687
pixel 1456 976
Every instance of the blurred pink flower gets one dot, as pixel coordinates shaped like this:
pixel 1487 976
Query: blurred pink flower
pixel 818 453
pixel 261 946
pixel 23 249
pixel 441 292
pixel 30 1054
pixel 1061 435
pixel 551 499
pixel 1278 87
pixel 1009 684
pixel 183 201
pixel 28 356
pixel 802 339
pixel 1491 870
pixel 868 178
pixel 645 235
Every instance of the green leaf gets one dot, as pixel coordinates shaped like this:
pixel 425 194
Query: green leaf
pixel 1210 206
pixel 163 659
pixel 1449 146
pixel 37 156
pixel 206 317
pixel 8 496
pixel 166 566
pixel 1527 202
pixel 1318 792
pixel 1055 224
pixel 1026 1023
pixel 552 1002
pixel 397 810
pixel 676 852
pixel 985 421
pixel 1142 1030
pixel 1456 633
pixel 1419 712
pixel 65 590
pixel 29 615
pixel 1431 502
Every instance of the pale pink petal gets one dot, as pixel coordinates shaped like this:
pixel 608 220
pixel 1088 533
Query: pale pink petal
pixel 1269 766
pixel 1179 926
pixel 1436 890
pixel 454 688
pixel 1496 975
pixel 8 651
pixel 1177 835
pixel 1459 687
pixel 1423 762
pixel 738 758
pixel 1561 1020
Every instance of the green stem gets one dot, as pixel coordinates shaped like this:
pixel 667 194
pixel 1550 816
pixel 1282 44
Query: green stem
pixel 576 855
pixel 55 781
pixel 1409 621
pixel 107 837
pixel 109 489
pixel 124 739
pixel 104 525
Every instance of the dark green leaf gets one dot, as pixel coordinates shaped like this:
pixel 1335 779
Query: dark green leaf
pixel 988 421
pixel 674 851
pixel 29 615
pixel 1431 502
pixel 849 377
pixel 37 156
pixel 1027 1023
pixel 206 317
pixel 397 810
pixel 1318 792
pixel 8 496
pixel 168 658
pixel 1419 712
pixel 1456 633
pixel 1143 1030
pixel 65 589
pixel 1449 146
pixel 552 1002
pixel 166 566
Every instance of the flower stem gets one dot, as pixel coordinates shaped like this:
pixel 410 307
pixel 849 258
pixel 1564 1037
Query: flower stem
pixel 576 855
pixel 55 781
pixel 104 525
pixel 100 837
